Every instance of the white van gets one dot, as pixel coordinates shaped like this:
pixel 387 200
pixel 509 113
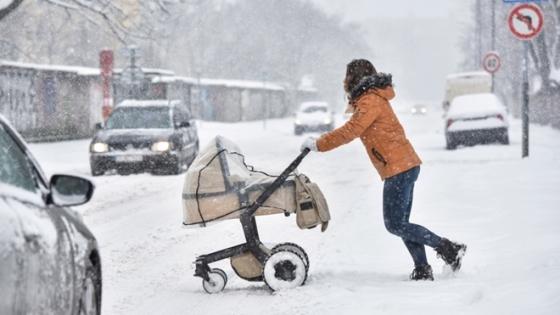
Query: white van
pixel 466 83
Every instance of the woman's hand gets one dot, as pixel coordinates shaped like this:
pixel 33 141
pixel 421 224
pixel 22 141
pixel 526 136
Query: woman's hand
pixel 309 143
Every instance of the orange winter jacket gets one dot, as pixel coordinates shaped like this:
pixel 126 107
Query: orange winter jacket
pixel 379 129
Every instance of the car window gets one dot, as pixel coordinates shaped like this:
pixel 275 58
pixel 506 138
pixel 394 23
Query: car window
pixel 314 109
pixel 139 118
pixel 15 169
pixel 181 115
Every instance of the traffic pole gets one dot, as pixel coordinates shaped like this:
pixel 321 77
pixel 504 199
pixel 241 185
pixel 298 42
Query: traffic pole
pixel 525 105
pixel 493 48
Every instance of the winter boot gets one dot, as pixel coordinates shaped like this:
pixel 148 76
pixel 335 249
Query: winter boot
pixel 452 253
pixel 422 273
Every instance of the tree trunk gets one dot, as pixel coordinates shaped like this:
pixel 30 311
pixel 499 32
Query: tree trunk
pixel 543 65
pixel 4 12
pixel 556 52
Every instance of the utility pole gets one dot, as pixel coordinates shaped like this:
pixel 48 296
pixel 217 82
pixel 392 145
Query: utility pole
pixel 478 31
pixel 493 44
pixel 525 105
pixel 133 76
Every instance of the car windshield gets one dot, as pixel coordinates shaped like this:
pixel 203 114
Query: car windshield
pixel 139 118
pixel 314 109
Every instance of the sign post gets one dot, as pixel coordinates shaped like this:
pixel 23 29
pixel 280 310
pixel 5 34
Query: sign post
pixel 525 21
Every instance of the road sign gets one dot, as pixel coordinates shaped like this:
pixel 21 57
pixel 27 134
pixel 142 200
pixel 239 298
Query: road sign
pixel 526 21
pixel 491 62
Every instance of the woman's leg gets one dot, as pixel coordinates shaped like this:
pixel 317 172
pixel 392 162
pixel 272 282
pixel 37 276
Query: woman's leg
pixel 416 250
pixel 397 204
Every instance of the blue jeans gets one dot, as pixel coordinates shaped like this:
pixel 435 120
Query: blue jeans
pixel 397 203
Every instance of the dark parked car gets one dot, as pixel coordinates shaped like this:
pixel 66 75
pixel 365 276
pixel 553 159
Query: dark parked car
pixel 49 260
pixel 155 136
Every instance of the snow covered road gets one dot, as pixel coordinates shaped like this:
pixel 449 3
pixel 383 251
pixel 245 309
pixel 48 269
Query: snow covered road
pixel 507 211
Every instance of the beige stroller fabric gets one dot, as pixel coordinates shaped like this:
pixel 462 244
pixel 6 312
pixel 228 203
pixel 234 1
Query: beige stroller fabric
pixel 219 186
pixel 312 208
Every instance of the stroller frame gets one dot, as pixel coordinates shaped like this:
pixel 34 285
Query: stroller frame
pixel 248 222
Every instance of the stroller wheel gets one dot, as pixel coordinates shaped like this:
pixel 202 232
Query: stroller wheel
pixel 284 269
pixel 296 248
pixel 217 281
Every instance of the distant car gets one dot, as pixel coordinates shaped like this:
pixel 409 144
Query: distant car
pixel 155 136
pixel 419 109
pixel 476 118
pixel 313 116
pixel 49 259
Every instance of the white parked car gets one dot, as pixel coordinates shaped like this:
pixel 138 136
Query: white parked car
pixel 313 116
pixel 476 118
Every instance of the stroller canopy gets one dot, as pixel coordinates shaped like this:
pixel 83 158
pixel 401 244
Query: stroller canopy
pixel 219 185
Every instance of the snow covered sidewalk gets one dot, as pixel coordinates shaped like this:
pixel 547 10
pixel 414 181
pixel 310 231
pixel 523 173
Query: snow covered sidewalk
pixel 507 210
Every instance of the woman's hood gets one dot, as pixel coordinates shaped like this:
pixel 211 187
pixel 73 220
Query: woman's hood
pixel 381 82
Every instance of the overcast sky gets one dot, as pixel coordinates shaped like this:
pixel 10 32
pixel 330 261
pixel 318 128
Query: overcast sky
pixel 417 41
pixel 360 10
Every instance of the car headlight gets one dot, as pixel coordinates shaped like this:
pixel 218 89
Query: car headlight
pixel 161 146
pixel 298 122
pixel 99 147
pixel 327 121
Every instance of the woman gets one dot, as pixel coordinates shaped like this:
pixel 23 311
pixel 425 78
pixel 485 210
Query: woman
pixel 393 156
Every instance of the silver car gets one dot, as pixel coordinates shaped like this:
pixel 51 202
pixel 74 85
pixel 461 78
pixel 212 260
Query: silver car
pixel 49 260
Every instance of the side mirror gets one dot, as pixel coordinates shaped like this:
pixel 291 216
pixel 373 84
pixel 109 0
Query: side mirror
pixel 184 124
pixel 98 126
pixel 67 190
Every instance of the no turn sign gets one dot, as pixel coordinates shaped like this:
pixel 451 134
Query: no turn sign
pixel 526 21
pixel 491 62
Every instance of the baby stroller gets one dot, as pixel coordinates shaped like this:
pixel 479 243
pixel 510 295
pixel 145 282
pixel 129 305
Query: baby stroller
pixel 220 186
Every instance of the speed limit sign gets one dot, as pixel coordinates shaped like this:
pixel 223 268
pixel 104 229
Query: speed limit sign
pixel 491 62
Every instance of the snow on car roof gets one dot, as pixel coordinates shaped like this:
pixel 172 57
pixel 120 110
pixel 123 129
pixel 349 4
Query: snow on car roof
pixel 148 103
pixel 474 105
pixel 463 75
pixel 317 104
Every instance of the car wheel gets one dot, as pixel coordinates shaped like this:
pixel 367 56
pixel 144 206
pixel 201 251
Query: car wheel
pixel 505 139
pixel 451 145
pixel 176 168
pixel 96 171
pixel 90 300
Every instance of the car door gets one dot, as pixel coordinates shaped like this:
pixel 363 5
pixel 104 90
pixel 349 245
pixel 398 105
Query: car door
pixel 11 254
pixel 44 257
pixel 185 130
pixel 191 131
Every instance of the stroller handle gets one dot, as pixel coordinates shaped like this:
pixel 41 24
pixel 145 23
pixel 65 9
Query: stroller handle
pixel 278 182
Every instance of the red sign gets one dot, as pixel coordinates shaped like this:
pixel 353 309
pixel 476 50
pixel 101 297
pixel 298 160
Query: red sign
pixel 106 65
pixel 492 62
pixel 526 21
pixel 106 62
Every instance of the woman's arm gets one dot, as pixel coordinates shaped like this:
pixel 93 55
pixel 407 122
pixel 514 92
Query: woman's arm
pixel 367 111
